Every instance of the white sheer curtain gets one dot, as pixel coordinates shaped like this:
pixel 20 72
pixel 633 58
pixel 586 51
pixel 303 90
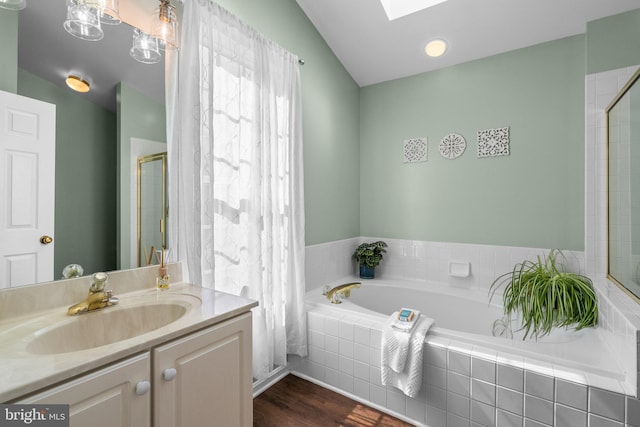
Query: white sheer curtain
pixel 236 174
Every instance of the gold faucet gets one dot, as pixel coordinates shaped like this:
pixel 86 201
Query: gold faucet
pixel 98 298
pixel 343 290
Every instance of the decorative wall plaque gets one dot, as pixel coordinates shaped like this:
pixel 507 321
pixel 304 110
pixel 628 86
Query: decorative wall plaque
pixel 452 146
pixel 493 142
pixel 415 150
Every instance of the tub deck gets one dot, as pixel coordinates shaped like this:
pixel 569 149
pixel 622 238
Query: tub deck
pixel 463 322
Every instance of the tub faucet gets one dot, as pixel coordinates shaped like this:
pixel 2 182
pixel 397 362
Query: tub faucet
pixel 341 291
pixel 98 298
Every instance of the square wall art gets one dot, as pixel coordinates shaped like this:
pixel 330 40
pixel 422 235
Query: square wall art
pixel 415 150
pixel 493 142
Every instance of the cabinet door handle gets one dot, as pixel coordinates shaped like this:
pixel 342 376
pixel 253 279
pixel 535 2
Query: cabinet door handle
pixel 143 387
pixel 169 374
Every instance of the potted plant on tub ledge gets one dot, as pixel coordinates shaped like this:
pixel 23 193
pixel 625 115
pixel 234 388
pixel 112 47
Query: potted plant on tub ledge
pixel 545 296
pixel 368 256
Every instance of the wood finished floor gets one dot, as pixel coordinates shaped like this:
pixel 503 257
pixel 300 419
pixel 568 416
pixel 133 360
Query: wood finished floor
pixel 296 402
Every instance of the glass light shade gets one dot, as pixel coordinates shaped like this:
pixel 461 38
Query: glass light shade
pixel 145 48
pixel 83 21
pixel 78 84
pixel 110 12
pixel 13 4
pixel 164 25
pixel 96 4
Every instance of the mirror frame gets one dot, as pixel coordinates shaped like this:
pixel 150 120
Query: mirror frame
pixel 625 89
pixel 162 157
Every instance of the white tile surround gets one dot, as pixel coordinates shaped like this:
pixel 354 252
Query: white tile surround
pixel 622 314
pixel 466 389
pixel 421 260
pixel 463 385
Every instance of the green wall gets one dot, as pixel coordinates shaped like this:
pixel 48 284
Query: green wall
pixel 534 197
pixel 85 177
pixel 9 51
pixel 138 117
pixel 613 42
pixel 330 102
pixel 355 181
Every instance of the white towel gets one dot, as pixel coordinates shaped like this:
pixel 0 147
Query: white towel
pixel 404 325
pixel 402 355
pixel 395 341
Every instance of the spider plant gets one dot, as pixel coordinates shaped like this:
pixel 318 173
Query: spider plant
pixel 547 296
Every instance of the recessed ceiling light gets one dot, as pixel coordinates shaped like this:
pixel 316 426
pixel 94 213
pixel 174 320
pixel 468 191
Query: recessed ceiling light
pixel 436 48
pixel 78 84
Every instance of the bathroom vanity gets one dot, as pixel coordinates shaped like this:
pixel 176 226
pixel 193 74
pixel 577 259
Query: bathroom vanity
pixel 180 357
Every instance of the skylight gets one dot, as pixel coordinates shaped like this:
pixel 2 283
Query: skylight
pixel 399 8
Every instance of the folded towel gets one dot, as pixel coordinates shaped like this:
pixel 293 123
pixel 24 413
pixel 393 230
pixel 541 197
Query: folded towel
pixel 405 325
pixel 402 354
pixel 395 341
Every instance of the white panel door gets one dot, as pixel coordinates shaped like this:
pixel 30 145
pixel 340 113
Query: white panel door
pixel 27 187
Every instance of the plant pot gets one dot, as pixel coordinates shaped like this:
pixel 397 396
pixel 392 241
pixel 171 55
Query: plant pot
pixel 367 272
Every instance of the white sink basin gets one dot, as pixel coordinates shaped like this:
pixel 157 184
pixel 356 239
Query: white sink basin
pixel 106 326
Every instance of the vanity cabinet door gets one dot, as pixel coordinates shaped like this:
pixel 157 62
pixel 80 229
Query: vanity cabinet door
pixel 205 379
pixel 114 396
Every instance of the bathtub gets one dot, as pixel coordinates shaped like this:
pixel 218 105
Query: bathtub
pixel 464 320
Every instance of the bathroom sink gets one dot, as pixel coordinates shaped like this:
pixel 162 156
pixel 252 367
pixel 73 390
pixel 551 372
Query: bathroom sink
pixel 102 327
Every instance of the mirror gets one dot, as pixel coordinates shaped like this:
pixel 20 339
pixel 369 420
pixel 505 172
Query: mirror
pixel 623 135
pixel 93 164
pixel 152 208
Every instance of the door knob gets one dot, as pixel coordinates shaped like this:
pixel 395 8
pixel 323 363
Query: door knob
pixel 45 240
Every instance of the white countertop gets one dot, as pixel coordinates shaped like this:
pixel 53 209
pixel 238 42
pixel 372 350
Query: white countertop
pixel 24 372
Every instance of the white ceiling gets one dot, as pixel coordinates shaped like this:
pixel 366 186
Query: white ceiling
pixel 374 49
pixel 370 46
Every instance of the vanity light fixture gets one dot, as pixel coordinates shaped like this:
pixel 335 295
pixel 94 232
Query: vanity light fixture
pixel 164 25
pixel 77 83
pixel 13 4
pixel 145 48
pixel 436 48
pixel 83 20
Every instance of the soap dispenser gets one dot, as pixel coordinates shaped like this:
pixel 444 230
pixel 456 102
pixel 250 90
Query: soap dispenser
pixel 162 281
